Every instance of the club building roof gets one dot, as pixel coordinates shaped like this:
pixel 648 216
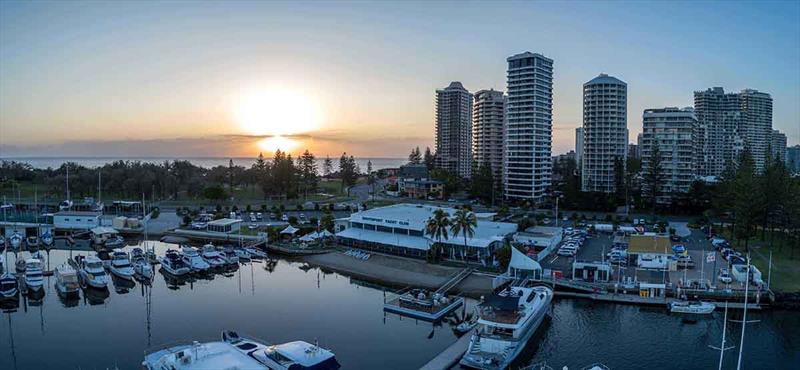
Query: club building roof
pixel 403 225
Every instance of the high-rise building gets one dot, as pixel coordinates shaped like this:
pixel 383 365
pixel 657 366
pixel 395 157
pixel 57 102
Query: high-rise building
pixel 727 123
pixel 578 146
pixel 605 127
pixel 529 127
pixel 639 145
pixel 488 119
pixel 793 158
pixel 454 129
pixel 672 130
pixel 779 145
pixel 633 150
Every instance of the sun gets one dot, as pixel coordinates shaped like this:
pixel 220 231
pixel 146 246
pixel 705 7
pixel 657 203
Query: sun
pixel 277 113
pixel 272 144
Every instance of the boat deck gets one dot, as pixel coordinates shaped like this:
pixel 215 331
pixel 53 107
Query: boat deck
pixel 422 309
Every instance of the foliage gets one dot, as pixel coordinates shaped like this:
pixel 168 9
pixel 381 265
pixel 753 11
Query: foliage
pixel 429 159
pixel 464 222
pixel 653 177
pixel 451 180
pixel 327 167
pixel 483 183
pixel 436 227
pixel 415 157
pixel 307 168
pixel 214 192
pixel 348 171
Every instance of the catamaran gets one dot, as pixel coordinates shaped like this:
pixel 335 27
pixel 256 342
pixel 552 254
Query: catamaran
pixel 235 352
pixel 121 265
pixel 66 281
pixel 506 322
pixel 34 278
pixel 92 272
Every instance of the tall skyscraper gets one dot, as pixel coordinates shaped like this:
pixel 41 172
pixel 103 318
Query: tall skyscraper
pixel 729 122
pixel 488 119
pixel 605 125
pixel 454 129
pixel 529 127
pixel 779 145
pixel 672 130
pixel 579 146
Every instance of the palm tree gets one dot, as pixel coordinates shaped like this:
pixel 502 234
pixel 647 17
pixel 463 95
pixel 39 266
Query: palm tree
pixel 464 223
pixel 437 225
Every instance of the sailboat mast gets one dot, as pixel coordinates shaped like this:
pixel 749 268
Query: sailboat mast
pixel 724 330
pixel 744 315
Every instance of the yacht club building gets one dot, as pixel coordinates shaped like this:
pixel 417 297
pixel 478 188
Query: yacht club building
pixel 400 229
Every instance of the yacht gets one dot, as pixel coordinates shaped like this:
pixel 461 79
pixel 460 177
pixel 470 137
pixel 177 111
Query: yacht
pixel 229 255
pixel 696 307
pixel 8 286
pixel 506 322
pixel 106 236
pixel 66 280
pixel 47 239
pixel 34 278
pixel 235 352
pixel 92 272
pixel 173 263
pixel 15 241
pixel 32 242
pixel 141 266
pixel 243 254
pixel 212 256
pixel 194 259
pixel 121 265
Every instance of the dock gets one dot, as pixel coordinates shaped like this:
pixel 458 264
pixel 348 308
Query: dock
pixel 450 355
pixel 428 307
pixel 635 299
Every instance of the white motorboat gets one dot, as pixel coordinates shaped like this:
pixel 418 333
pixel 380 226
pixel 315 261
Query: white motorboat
pixel 506 322
pixel 193 259
pixel 47 239
pixel 693 307
pixel 173 263
pixel 34 276
pixel 92 272
pixel 65 205
pixel 15 240
pixel 8 285
pixel 229 255
pixel 212 256
pixel 235 352
pixel 255 252
pixel 32 242
pixel 141 266
pixel 66 280
pixel 121 265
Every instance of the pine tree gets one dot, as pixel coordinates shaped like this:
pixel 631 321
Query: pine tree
pixel 327 167
pixel 415 157
pixel 654 177
pixel 430 160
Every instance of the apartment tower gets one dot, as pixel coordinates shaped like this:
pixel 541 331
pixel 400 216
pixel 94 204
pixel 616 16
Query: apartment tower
pixel 672 130
pixel 529 127
pixel 454 129
pixel 605 131
pixel 488 116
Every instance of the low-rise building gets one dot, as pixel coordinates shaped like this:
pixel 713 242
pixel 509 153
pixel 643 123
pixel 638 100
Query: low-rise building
pixel 413 181
pixel 400 229
pixel 225 225
pixel 542 238
pixel 651 251
pixel 76 220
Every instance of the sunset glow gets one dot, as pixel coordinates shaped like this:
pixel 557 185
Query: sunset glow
pixel 272 144
pixel 277 112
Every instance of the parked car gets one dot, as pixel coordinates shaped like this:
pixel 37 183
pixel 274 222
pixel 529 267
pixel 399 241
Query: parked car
pixel 725 276
pixel 259 216
pixel 285 218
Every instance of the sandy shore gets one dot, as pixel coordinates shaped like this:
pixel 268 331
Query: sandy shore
pixel 400 272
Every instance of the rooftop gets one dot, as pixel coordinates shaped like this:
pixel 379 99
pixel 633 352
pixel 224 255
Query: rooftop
pixel 224 222
pixel 76 213
pixel 649 244
pixel 605 79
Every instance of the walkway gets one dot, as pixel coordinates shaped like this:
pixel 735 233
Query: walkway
pixel 449 356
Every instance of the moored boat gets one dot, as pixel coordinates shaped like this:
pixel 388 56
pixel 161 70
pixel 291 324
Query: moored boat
pixel 32 242
pixel 47 239
pixel 692 307
pixel 15 241
pixel 173 263
pixel 91 271
pixel 141 265
pixel 34 276
pixel 507 320
pixel 66 280
pixel 8 285
pixel 235 352
pixel 193 259
pixel 121 265
pixel 228 255
pixel 212 256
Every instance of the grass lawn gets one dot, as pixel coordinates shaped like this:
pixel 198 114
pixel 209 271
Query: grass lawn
pixel 785 267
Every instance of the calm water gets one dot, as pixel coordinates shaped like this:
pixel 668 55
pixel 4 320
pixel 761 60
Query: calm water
pixel 289 303
pixel 207 162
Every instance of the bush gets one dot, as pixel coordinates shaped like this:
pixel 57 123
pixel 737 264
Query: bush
pixel 293 220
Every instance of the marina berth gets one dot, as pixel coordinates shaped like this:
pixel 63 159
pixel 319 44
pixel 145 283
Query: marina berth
pixel 91 272
pixel 66 281
pixel 235 352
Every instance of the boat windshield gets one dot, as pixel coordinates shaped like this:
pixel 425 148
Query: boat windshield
pixel 69 278
pixel 94 265
pixel 122 265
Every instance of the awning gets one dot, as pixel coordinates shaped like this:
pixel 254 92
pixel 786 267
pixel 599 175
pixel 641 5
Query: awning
pixel 290 230
pixel 520 261
pixel 309 237
pixel 400 240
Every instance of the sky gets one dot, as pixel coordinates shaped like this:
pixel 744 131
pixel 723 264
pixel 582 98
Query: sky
pixel 222 78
